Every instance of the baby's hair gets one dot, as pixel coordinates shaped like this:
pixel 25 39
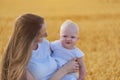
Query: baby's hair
pixel 69 24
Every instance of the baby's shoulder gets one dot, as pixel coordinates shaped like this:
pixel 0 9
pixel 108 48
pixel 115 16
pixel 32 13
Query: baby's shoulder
pixel 79 52
pixel 55 43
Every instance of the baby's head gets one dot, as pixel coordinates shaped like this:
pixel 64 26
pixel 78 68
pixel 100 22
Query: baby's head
pixel 69 34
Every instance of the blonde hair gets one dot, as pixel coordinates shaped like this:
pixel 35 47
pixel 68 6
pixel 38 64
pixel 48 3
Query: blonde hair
pixel 69 24
pixel 19 48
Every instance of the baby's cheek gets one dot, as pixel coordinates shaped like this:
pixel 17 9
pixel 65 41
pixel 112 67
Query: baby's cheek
pixel 74 40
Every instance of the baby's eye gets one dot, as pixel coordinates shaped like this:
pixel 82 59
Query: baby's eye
pixel 73 37
pixel 64 36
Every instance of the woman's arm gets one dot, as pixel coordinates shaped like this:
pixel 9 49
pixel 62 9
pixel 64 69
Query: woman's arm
pixel 82 70
pixel 71 66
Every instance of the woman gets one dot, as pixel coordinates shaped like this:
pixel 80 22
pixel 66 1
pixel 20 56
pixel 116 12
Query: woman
pixel 27 54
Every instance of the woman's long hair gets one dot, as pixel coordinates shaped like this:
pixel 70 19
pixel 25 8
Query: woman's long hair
pixel 19 48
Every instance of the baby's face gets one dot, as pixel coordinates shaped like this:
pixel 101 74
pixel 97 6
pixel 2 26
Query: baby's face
pixel 69 38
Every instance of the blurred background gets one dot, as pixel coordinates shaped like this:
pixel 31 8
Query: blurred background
pixel 98 20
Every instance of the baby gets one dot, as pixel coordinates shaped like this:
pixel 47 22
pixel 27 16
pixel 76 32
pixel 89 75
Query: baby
pixel 64 49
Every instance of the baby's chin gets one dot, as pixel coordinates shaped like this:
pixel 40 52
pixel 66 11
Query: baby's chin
pixel 68 47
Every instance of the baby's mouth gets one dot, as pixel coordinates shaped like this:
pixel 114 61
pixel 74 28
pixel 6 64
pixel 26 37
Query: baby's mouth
pixel 67 42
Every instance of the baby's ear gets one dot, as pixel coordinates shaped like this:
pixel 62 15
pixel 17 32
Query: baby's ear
pixel 78 38
pixel 58 36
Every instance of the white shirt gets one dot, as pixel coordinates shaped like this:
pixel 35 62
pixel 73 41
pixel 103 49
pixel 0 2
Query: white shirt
pixel 63 55
pixel 41 64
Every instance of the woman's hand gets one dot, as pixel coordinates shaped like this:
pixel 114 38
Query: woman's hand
pixel 71 66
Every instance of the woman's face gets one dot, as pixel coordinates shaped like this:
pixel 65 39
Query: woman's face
pixel 41 35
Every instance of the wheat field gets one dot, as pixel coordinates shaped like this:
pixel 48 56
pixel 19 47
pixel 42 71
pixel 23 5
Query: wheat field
pixel 99 23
